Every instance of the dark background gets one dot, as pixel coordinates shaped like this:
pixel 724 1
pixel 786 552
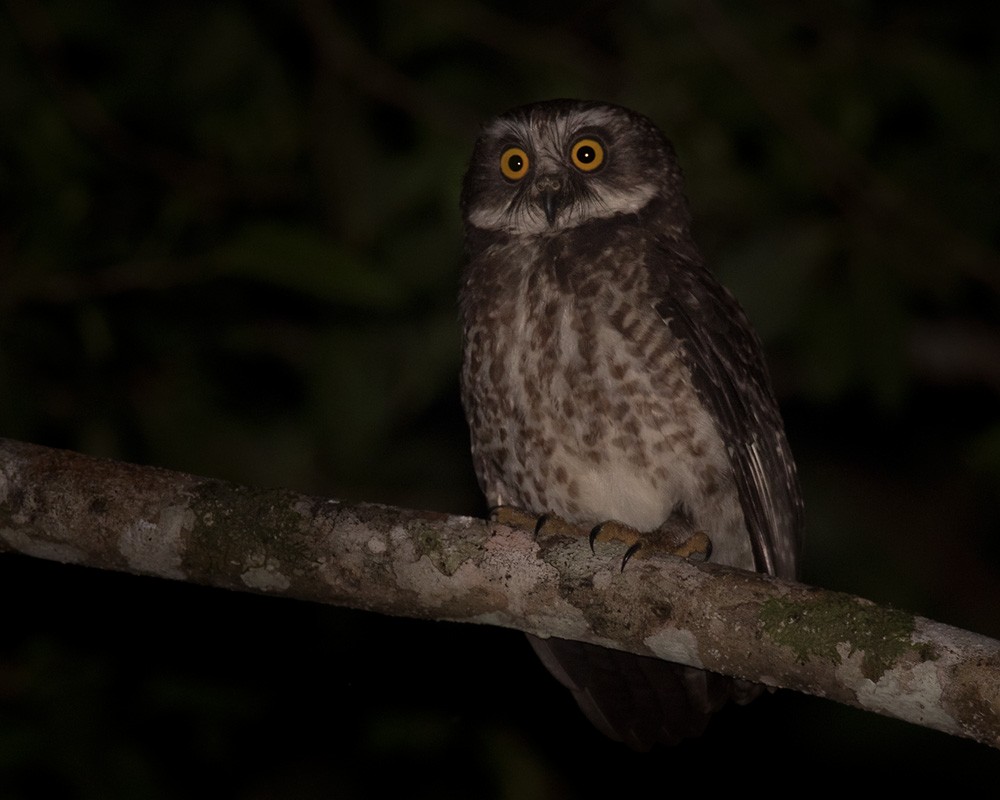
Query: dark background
pixel 230 243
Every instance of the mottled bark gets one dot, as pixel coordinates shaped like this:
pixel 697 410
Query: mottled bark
pixel 71 508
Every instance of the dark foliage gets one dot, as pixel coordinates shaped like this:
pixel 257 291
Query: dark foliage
pixel 229 244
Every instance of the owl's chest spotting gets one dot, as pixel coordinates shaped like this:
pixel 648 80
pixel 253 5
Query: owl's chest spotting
pixel 580 404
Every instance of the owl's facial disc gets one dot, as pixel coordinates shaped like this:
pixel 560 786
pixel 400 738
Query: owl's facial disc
pixel 548 168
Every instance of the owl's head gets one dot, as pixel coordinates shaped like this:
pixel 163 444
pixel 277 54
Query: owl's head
pixel 549 166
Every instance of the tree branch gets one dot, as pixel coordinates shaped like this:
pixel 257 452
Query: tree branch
pixel 72 508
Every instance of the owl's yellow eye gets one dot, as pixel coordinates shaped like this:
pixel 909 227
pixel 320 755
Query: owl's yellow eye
pixel 514 163
pixel 587 154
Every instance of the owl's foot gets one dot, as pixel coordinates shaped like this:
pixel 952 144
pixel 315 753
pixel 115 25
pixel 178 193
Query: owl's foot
pixel 693 545
pixel 675 537
pixel 541 524
pixel 697 547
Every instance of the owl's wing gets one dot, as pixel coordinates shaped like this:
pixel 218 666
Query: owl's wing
pixel 724 355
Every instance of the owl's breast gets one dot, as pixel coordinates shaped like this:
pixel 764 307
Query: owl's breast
pixel 580 404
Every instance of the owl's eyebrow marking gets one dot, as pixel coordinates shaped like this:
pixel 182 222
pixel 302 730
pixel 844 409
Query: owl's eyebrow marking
pixel 594 131
pixel 513 140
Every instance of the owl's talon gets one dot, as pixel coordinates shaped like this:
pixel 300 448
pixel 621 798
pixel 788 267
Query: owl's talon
pixel 629 553
pixel 594 532
pixel 614 531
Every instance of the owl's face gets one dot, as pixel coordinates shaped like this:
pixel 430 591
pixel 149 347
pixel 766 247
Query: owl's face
pixel 554 165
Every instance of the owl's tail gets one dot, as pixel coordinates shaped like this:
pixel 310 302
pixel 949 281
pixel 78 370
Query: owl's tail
pixel 639 700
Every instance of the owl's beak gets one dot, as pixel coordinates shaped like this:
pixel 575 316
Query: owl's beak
pixel 549 202
pixel 549 195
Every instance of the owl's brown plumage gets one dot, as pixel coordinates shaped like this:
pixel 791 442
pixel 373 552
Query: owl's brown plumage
pixel 608 376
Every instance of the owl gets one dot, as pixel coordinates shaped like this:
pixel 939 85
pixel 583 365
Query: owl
pixel 608 376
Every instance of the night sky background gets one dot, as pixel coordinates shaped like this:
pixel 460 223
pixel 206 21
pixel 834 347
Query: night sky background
pixel 230 245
